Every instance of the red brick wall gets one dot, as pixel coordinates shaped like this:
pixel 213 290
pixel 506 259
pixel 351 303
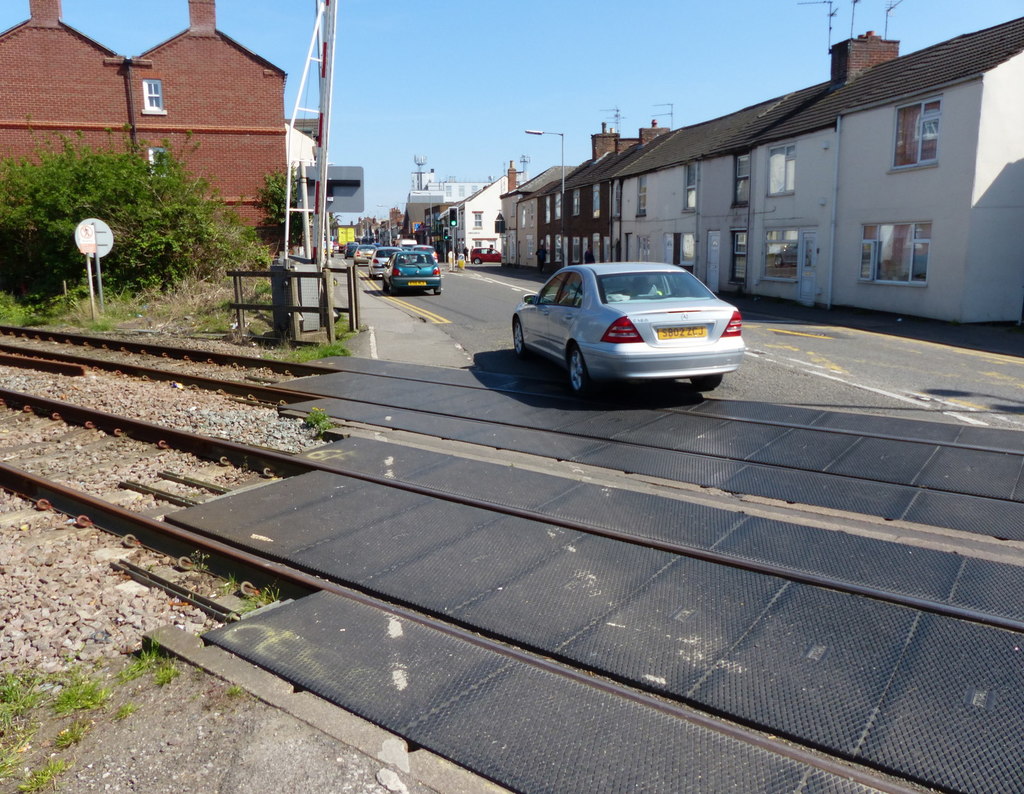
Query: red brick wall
pixel 224 106
pixel 853 56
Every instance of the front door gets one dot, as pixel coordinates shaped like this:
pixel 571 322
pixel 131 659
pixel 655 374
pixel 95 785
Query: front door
pixel 808 258
pixel 714 258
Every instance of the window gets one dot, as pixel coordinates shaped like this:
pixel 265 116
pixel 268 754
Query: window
pixel 549 293
pixel 643 248
pixel 617 200
pixel 558 206
pixel 917 134
pixel 781 170
pixel 576 202
pixel 157 155
pixel 153 96
pixel 478 220
pixel 595 200
pixel 780 253
pixel 641 196
pixel 688 250
pixel 547 210
pixel 575 249
pixel 571 293
pixel 522 217
pixel 895 252
pixel 690 186
pixel 559 252
pixel 741 171
pixel 738 266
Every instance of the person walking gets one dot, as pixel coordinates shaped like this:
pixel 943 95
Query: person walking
pixel 588 257
pixel 542 257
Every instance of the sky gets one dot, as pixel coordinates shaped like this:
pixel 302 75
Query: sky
pixel 458 81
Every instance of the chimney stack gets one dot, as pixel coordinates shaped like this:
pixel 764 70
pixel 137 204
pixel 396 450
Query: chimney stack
pixel 512 182
pixel 45 13
pixel 853 57
pixel 648 134
pixel 202 17
pixel 604 142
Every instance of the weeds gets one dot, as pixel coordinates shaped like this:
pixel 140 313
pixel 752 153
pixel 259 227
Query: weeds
pixel 319 421
pixel 268 595
pixel 72 734
pixel 80 693
pixel 19 694
pixel 144 661
pixel 234 691
pixel 45 777
pixel 125 711
pixel 166 672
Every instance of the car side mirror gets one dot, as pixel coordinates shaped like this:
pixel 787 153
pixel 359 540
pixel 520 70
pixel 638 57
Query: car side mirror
pixel 531 299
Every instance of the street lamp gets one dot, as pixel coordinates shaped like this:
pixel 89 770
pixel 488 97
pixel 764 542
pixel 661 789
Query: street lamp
pixel 561 200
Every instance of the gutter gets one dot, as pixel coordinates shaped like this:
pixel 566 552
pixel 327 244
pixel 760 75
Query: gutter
pixel 833 214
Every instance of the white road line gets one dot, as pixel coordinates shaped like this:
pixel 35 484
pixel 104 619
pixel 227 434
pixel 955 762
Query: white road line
pixel 373 342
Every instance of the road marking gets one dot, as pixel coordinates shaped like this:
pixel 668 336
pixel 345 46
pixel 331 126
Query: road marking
pixel 437 319
pixel 799 333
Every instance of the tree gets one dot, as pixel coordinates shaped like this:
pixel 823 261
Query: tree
pixel 168 224
pixel 270 199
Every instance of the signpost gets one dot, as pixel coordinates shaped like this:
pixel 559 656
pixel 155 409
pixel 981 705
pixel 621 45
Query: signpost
pixel 94 239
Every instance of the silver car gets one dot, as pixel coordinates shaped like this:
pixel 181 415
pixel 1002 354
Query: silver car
pixel 630 321
pixel 379 261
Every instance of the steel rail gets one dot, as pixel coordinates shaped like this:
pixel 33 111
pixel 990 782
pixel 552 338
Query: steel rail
pixel 183 353
pixel 117 519
pixel 272 462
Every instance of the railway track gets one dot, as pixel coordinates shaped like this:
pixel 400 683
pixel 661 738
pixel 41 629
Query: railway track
pixel 461 494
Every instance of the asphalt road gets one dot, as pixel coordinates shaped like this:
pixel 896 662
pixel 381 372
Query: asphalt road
pixel 806 357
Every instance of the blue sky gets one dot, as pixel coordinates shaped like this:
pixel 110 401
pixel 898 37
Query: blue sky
pixel 458 81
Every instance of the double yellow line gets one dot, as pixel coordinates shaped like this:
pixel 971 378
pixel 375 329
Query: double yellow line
pixel 437 319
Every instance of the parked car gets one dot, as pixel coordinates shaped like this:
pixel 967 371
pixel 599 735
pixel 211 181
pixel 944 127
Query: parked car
pixel 379 263
pixel 363 254
pixel 427 249
pixel 412 270
pixel 630 321
pixel 350 249
pixel 480 255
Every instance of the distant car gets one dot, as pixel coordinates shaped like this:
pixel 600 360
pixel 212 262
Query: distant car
pixel 480 255
pixel 350 249
pixel 426 249
pixel 379 263
pixel 363 254
pixel 412 270
pixel 630 321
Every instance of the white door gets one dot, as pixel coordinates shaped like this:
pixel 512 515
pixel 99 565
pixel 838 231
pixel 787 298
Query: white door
pixel 808 258
pixel 714 257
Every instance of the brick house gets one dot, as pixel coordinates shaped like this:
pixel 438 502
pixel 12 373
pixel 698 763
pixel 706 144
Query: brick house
pixel 218 105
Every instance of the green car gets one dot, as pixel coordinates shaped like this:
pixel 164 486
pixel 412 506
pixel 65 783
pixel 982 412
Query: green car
pixel 412 270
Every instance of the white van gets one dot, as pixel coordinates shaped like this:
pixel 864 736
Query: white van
pixel 406 243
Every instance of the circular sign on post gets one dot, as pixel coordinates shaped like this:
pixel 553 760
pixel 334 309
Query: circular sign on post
pixel 93 237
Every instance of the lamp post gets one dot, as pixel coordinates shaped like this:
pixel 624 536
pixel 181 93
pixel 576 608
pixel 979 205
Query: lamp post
pixel 561 200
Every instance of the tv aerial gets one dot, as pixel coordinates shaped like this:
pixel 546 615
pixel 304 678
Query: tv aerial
pixel 890 6
pixel 832 11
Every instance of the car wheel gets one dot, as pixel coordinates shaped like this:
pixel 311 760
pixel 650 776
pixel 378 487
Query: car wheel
pixel 518 343
pixel 477 261
pixel 706 382
pixel 579 377
pixel 385 285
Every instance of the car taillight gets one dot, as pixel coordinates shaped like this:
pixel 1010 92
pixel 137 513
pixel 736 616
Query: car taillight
pixel 735 326
pixel 622 330
pixel 395 271
pixel 437 271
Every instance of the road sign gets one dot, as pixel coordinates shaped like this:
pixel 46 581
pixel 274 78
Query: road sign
pixel 94 238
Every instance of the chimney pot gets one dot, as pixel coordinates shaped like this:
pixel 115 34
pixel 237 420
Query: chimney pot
pixel 853 57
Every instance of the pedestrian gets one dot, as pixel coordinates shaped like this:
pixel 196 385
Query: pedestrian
pixel 588 257
pixel 542 257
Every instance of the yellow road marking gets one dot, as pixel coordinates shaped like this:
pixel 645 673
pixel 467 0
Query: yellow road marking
pixel 798 333
pixel 437 319
pixel 966 404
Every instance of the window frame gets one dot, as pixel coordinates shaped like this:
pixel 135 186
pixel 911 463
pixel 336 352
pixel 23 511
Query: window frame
pixel 641 196
pixel 874 243
pixel 153 101
pixel 576 202
pixel 787 152
pixel 779 242
pixel 920 138
pixel 690 187
pixel 738 250
pixel 741 180
pixel 691 238
pixel 595 201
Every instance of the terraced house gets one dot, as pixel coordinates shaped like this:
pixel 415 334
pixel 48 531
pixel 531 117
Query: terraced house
pixel 896 185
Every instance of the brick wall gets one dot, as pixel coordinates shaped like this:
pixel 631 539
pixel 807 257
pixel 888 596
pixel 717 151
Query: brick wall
pixel 854 56
pixel 224 105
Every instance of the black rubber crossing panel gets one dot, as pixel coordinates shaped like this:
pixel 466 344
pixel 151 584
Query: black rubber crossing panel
pixel 892 567
pixel 968 514
pixel 673 631
pixel 680 466
pixel 815 666
pixel 808 449
pixel 992 438
pixel 280 519
pixel 516 488
pixel 756 411
pixel 952 714
pixel 890 426
pixel 883 460
pixel 608 424
pixel 645 515
pixel 992 587
pixel 525 727
pixel 975 472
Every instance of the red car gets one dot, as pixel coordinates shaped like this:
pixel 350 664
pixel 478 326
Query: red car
pixel 480 255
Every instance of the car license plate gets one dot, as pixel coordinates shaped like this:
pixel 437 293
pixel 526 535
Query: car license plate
pixel 417 283
pixel 682 332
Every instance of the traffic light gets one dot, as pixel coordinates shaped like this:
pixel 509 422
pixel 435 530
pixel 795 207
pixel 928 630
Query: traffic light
pixel 453 218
